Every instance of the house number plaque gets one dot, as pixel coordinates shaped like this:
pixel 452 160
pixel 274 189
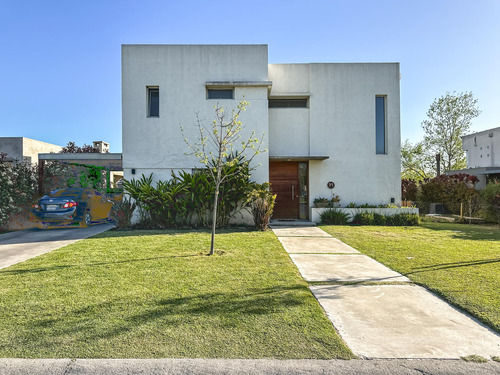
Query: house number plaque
pixel 331 185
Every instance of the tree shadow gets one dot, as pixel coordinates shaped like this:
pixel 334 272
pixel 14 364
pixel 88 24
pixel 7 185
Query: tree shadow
pixel 21 271
pixel 109 319
pixel 443 266
pixel 467 232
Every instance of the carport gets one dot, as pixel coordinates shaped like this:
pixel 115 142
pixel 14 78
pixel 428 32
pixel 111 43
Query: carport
pixel 109 162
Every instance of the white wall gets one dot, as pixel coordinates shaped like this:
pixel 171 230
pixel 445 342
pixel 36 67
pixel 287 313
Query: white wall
pixel 340 124
pixel 482 150
pixel 180 72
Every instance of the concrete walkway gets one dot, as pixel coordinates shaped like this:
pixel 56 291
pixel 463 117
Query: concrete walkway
pixel 388 317
pixel 16 247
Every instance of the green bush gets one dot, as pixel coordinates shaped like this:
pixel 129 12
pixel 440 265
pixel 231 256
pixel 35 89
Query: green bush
pixel 379 219
pixel 334 217
pixel 187 199
pixel 122 213
pixel 403 220
pixel 363 218
pixel 262 202
pixel 451 190
pixel 490 197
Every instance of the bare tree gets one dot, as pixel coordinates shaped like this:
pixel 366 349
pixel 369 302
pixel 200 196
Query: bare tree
pixel 217 143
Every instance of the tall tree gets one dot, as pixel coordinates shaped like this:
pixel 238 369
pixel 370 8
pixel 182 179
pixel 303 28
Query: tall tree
pixel 449 118
pixel 217 145
pixel 416 163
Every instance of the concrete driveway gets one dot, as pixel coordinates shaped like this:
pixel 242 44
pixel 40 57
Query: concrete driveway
pixel 16 247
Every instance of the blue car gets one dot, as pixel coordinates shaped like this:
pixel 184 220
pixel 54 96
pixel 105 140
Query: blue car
pixel 73 206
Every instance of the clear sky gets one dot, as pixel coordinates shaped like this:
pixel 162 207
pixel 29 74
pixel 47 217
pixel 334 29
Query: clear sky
pixel 60 63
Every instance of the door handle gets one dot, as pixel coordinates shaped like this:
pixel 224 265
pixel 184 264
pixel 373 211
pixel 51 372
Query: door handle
pixel 293 192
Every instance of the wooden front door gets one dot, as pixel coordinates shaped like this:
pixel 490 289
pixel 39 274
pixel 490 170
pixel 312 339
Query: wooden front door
pixel 284 179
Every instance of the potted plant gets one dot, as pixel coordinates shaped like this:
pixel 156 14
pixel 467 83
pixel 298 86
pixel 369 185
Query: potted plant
pixel 334 202
pixel 321 202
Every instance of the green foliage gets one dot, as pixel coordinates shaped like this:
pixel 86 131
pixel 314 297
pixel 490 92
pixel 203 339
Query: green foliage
pixel 363 218
pixel 187 199
pixel 122 213
pixel 490 197
pixel 416 163
pixel 334 217
pixel 18 182
pixel 451 190
pixel 368 218
pixel 262 202
pixel 449 118
pixel 406 220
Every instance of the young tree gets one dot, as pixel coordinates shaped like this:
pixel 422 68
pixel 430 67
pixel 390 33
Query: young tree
pixel 416 164
pixel 217 143
pixel 449 118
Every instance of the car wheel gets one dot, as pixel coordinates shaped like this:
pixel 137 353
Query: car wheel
pixel 87 218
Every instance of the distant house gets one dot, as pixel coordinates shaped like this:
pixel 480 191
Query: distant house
pixel 21 149
pixel 483 155
pixel 323 122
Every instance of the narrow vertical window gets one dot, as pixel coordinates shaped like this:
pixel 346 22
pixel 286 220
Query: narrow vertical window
pixel 380 124
pixel 153 102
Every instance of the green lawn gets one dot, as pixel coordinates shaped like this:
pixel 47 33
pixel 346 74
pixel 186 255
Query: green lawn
pixel 154 294
pixel 459 262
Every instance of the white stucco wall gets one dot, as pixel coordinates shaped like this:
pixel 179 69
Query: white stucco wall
pixel 181 71
pixel 340 123
pixel 482 149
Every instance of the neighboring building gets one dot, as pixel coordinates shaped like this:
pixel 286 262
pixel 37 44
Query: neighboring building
pixel 23 149
pixel 483 155
pixel 322 122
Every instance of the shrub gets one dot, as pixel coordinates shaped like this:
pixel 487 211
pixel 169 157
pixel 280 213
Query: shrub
pixel 334 217
pixel 379 219
pixel 363 218
pixel 122 213
pixel 451 190
pixel 262 202
pixel 403 220
pixel 490 197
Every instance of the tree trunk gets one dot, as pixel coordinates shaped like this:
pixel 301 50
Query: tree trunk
pixel 214 220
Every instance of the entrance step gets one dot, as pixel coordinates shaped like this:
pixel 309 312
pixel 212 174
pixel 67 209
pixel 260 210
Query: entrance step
pixel 291 223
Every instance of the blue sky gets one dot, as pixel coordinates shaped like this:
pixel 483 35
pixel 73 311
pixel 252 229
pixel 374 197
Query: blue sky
pixel 60 63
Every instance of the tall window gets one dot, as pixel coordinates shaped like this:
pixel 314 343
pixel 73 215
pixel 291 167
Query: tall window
pixel 380 125
pixel 153 102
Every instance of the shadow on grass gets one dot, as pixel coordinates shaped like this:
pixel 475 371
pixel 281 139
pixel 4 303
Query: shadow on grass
pixel 203 311
pixel 21 271
pixel 465 231
pixel 444 266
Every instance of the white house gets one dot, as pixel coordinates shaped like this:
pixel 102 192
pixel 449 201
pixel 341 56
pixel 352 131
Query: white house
pixel 483 155
pixel 323 122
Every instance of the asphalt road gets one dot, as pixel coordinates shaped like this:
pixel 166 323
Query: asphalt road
pixel 243 367
pixel 16 247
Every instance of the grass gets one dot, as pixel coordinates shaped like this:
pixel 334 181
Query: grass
pixel 459 262
pixel 154 294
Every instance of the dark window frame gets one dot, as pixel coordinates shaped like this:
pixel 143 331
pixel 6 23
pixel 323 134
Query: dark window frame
pixel 153 112
pixel 212 94
pixel 381 125
pixel 288 103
